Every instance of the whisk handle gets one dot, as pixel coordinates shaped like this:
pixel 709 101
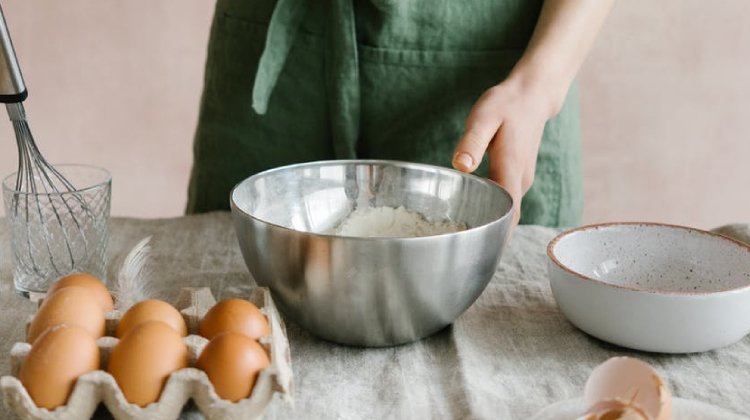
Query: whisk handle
pixel 12 87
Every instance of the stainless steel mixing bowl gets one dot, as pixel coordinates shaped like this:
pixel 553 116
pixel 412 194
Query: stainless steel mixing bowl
pixel 369 291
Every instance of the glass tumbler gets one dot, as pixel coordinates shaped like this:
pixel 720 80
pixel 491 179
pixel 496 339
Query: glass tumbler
pixel 53 233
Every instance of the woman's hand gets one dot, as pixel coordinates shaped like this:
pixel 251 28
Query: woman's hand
pixel 507 122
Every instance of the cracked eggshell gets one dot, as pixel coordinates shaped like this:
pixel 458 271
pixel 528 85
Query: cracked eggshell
pixel 615 410
pixel 630 386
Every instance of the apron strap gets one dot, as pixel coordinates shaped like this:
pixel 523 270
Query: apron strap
pixel 341 66
pixel 282 29
pixel 342 77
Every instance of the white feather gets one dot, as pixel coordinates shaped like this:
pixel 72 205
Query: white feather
pixel 131 285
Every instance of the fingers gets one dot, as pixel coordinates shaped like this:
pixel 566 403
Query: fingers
pixel 513 154
pixel 481 126
pixel 509 126
pixel 506 172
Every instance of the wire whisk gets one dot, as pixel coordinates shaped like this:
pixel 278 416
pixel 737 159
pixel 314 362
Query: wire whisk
pixel 56 228
pixel 42 189
pixel 34 172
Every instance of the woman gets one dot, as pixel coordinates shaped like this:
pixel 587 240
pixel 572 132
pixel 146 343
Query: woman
pixel 442 82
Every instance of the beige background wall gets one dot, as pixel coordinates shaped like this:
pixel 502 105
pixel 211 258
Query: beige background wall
pixel 665 98
pixel 666 113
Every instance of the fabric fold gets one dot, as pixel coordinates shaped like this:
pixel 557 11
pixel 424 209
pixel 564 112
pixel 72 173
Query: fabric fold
pixel 342 77
pixel 282 30
pixel 341 64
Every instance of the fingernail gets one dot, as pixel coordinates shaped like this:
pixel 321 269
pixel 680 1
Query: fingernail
pixel 465 160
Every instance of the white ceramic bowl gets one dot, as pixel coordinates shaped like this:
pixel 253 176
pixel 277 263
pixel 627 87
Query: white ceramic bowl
pixel 653 287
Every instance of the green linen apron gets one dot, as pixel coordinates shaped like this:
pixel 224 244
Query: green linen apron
pixel 291 81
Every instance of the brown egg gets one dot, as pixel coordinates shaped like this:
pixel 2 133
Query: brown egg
pixel 151 310
pixel 72 305
pixel 143 359
pixel 56 360
pixel 88 281
pixel 235 315
pixel 232 362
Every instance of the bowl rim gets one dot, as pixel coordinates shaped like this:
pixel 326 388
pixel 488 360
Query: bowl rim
pixel 554 242
pixel 507 215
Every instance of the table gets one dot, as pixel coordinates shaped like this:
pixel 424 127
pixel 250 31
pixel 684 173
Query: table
pixel 508 356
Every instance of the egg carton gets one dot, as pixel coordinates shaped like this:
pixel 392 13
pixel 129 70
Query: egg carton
pixel 99 386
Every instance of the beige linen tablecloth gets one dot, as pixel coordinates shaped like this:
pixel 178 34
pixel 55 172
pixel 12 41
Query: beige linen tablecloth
pixel 511 354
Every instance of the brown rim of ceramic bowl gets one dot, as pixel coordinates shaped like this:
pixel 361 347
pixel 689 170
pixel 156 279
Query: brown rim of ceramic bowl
pixel 553 243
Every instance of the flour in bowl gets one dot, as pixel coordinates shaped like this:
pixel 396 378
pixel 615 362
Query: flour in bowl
pixel 392 222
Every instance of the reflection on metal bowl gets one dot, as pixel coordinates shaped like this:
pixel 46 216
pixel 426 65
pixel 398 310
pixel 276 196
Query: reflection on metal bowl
pixel 369 291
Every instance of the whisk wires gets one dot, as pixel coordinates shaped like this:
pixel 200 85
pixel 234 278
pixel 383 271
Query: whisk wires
pixel 38 180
